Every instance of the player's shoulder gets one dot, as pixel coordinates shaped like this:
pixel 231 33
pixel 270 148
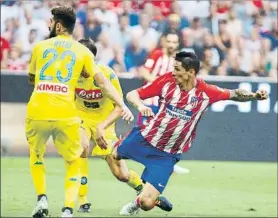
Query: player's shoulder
pixel 209 89
pixel 42 43
pixel 81 47
pixel 107 71
pixel 202 85
pixel 167 77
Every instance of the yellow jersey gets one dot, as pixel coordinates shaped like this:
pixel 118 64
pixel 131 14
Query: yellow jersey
pixel 90 101
pixel 57 64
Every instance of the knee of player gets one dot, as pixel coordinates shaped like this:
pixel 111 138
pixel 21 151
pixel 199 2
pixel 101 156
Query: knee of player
pixel 147 203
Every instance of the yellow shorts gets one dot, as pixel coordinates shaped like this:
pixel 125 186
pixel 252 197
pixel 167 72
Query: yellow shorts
pixel 110 138
pixel 65 134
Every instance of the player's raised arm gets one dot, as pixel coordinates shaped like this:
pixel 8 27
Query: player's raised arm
pixel 243 95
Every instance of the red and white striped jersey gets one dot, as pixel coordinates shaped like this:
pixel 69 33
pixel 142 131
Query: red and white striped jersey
pixel 173 128
pixel 158 64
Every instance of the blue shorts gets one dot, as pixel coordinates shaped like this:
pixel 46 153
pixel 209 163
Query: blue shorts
pixel 159 165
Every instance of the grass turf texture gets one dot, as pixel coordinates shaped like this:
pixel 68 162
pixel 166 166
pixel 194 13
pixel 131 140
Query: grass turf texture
pixel 214 189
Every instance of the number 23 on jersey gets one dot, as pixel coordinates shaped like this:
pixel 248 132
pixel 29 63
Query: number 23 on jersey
pixel 58 60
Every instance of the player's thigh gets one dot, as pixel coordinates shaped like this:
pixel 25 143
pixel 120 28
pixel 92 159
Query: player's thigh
pixel 67 139
pixel 133 146
pixel 118 168
pixel 157 175
pixel 37 133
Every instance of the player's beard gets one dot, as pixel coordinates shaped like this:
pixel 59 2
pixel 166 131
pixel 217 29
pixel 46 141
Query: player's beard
pixel 53 32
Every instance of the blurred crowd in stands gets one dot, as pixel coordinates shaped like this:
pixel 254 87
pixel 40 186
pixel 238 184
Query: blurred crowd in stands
pixel 237 38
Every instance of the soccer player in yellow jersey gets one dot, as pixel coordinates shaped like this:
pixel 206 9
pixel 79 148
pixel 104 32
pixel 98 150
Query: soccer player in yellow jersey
pixel 56 66
pixel 99 114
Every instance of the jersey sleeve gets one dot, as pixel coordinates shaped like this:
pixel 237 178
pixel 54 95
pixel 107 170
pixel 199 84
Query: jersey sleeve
pixel 89 64
pixel 153 89
pixel 32 63
pixel 216 93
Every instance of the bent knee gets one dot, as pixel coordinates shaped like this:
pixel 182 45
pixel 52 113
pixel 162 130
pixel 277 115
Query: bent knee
pixel 147 203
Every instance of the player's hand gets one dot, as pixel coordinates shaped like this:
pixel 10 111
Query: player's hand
pixel 99 137
pixel 261 95
pixel 126 114
pixel 146 111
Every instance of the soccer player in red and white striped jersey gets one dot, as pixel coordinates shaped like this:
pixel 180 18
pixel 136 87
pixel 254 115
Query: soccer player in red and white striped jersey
pixel 158 63
pixel 159 144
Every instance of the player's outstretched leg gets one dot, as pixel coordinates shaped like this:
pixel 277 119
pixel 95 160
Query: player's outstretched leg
pixel 119 169
pixel 123 174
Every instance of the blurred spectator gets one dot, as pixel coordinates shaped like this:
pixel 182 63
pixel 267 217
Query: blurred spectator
pixel 126 8
pixel 187 42
pixel 104 15
pixel 223 40
pixel 172 25
pixel 5 46
pixel 192 8
pixel 210 55
pixel 237 38
pixel 161 60
pixel 92 27
pixel 176 9
pixel 120 33
pixel 27 45
pixel 79 32
pixel 207 67
pixel 15 62
pixel 234 25
pixel 105 51
pixel 117 63
pixel 147 35
pixel 198 32
pixel 135 55
pixel 28 23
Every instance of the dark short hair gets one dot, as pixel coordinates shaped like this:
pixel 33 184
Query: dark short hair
pixel 189 60
pixel 172 32
pixel 66 16
pixel 90 44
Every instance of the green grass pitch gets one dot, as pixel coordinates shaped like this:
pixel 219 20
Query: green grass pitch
pixel 216 189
